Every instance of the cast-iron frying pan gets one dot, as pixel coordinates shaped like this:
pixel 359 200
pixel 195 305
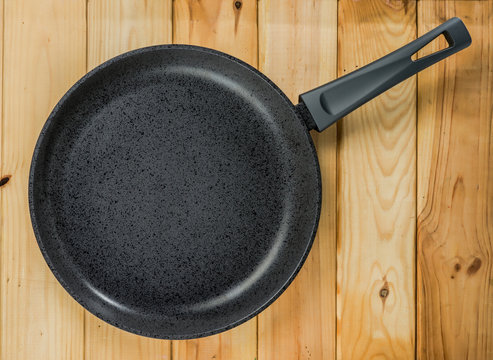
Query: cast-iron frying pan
pixel 175 191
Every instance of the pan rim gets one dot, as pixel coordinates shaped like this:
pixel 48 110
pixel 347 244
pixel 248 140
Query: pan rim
pixel 44 133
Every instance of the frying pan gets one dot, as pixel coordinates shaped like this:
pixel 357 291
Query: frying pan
pixel 175 191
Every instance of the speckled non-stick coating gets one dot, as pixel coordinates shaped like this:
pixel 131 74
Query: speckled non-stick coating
pixel 174 192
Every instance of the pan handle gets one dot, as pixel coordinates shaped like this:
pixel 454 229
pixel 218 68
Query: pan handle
pixel 330 102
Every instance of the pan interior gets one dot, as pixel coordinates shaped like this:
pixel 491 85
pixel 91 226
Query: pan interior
pixel 174 192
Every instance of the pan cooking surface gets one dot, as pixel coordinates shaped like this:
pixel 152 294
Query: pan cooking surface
pixel 174 192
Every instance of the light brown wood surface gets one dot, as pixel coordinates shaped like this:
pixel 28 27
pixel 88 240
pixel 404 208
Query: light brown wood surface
pixel 455 190
pixel 298 51
pixel 224 25
pixel 43 55
pixel 117 26
pixel 378 284
pixel 376 192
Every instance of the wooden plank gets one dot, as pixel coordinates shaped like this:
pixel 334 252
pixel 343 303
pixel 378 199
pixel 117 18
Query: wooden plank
pixel 106 342
pixel 224 26
pixel 44 54
pixel 4 177
pixel 455 190
pixel 115 27
pixel 298 51
pixel 376 192
pixel 237 344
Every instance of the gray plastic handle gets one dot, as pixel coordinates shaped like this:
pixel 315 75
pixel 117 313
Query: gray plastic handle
pixel 330 102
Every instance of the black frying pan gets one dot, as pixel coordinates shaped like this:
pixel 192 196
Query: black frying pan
pixel 175 191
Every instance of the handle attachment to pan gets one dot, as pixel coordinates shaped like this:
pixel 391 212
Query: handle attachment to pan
pixel 330 102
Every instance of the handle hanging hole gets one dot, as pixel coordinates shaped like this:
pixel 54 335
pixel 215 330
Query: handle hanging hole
pixel 437 44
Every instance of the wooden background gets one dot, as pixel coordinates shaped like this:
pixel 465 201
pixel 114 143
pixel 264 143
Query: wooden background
pixel 402 266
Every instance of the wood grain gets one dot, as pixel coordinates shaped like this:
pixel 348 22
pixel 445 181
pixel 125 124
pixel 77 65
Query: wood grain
pixel 47 45
pixel 225 25
pixel 237 344
pixel 106 342
pixel 115 27
pixel 44 54
pixel 220 25
pixel 298 47
pixel 455 190
pixel 376 192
